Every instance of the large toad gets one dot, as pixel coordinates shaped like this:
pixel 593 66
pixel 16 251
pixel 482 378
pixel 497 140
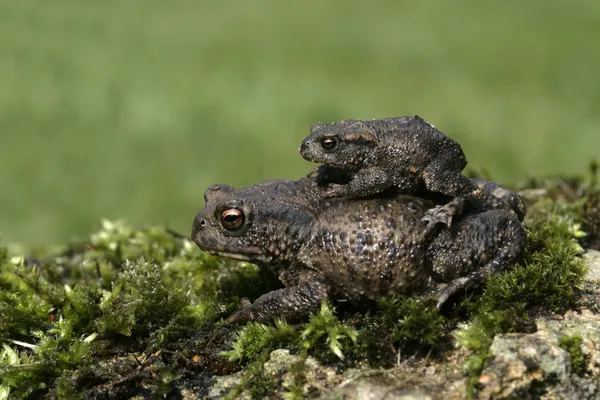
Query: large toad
pixel 353 249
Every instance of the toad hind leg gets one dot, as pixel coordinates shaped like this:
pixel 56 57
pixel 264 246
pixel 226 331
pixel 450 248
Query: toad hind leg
pixel 478 247
pixel 290 303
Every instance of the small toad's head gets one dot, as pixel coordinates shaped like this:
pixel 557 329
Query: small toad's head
pixel 344 144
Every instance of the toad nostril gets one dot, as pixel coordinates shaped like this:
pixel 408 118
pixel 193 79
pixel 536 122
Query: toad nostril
pixel 304 147
pixel 199 224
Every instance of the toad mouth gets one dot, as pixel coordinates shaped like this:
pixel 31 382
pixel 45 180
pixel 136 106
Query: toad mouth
pixel 250 254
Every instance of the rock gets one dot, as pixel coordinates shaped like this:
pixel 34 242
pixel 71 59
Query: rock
pixel 585 324
pixel 590 290
pixel 375 391
pixel 592 259
pixel 519 366
pixel 223 384
pixel 528 366
pixel 413 380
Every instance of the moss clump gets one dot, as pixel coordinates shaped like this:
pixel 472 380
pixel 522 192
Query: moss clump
pixel 324 331
pixel 254 339
pixel 56 350
pixel 572 345
pixel 551 270
pixel 400 323
pixel 321 334
pixel 27 299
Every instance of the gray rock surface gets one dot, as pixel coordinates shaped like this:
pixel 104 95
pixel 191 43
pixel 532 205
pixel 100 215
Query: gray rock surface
pixel 592 259
pixel 529 366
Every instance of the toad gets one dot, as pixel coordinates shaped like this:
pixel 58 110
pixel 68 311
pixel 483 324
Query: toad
pixel 405 153
pixel 351 249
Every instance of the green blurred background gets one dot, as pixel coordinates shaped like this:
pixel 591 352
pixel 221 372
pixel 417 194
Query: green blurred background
pixel 130 109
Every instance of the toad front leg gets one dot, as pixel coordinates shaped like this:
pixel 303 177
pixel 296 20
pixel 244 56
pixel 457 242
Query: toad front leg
pixel 366 182
pixel 327 175
pixel 290 303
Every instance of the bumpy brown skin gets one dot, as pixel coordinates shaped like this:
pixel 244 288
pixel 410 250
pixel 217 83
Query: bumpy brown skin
pixel 406 153
pixel 352 249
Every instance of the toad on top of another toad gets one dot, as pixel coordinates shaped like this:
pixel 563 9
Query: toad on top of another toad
pixel 407 153
pixel 354 249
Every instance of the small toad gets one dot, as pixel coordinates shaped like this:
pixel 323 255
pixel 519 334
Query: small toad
pixel 350 249
pixel 405 153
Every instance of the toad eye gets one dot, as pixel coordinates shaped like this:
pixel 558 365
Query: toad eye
pixel 232 219
pixel 328 143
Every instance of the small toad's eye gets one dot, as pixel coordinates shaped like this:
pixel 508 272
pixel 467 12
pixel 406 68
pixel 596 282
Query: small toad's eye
pixel 328 143
pixel 232 219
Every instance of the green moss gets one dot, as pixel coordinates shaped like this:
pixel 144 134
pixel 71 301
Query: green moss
pixel 56 350
pixel 26 299
pixel 572 344
pixel 400 323
pixel 254 339
pixel 139 301
pixel 325 332
pixel 477 336
pixel 551 271
pixel 149 285
pixel 418 322
pixel 117 242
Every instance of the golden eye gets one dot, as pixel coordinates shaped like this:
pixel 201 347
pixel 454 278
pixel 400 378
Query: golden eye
pixel 232 219
pixel 328 143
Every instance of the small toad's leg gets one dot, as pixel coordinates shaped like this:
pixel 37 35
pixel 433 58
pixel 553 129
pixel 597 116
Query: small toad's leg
pixel 290 303
pixel 476 248
pixel 510 197
pixel 440 177
pixel 366 182
pixel 443 213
